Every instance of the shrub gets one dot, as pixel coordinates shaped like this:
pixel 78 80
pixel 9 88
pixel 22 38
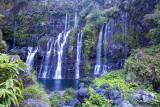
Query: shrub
pixel 11 88
pixel 36 92
pixel 96 100
pixel 68 95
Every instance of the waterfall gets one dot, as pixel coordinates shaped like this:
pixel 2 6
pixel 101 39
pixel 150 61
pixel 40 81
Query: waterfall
pixel 40 72
pixel 60 46
pixel 76 20
pixel 15 32
pixel 79 46
pixel 98 58
pixel 105 68
pixel 66 22
pixel 47 59
pixel 30 57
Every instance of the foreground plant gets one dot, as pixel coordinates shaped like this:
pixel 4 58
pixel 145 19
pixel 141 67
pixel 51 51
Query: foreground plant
pixel 11 87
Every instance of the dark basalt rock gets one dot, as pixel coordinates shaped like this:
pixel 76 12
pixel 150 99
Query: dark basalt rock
pixel 105 85
pixel 118 100
pixel 82 85
pixel 147 96
pixel 125 103
pixel 103 92
pixel 114 94
pixel 82 93
pixel 137 96
pixel 73 102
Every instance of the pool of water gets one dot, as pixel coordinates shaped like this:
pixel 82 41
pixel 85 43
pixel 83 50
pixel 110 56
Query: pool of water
pixel 59 84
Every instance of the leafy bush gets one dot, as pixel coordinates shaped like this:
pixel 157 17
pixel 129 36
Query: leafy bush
pixel 87 67
pixel 132 100
pixel 146 67
pixel 116 79
pixel 96 100
pixel 11 88
pixel 36 92
pixel 68 95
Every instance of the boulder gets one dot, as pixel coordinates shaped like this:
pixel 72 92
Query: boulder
pixel 82 93
pixel 139 90
pixel 103 92
pixel 105 85
pixel 125 103
pixel 137 96
pixel 73 102
pixel 118 100
pixel 114 94
pixel 147 96
pixel 82 85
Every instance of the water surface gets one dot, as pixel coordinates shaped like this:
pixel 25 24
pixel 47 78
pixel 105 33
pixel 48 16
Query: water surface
pixel 59 84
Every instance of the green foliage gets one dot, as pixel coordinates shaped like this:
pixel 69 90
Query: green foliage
pixel 87 67
pixel 68 95
pixel 17 52
pixel 146 67
pixel 156 101
pixel 132 100
pixel 95 18
pixel 11 88
pixel 1 15
pixel 96 100
pixel 112 12
pixel 116 79
pixel 154 20
pixel 3 45
pixel 119 74
pixel 54 100
pixel 36 92
pixel 73 34
pixel 90 39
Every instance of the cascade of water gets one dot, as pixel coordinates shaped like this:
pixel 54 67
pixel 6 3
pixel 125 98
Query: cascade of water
pixel 76 20
pixel 15 32
pixel 30 57
pixel 105 48
pixel 98 58
pixel 40 71
pixel 47 58
pixel 66 21
pixel 78 59
pixel 58 74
